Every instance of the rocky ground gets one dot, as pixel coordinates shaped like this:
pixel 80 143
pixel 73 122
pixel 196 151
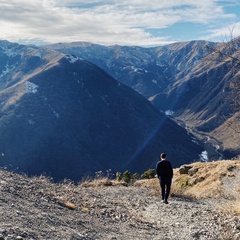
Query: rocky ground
pixel 35 208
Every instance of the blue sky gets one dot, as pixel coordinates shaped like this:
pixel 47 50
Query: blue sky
pixel 123 22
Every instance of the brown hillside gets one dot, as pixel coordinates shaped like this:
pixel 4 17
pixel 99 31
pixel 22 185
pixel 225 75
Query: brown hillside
pixel 217 180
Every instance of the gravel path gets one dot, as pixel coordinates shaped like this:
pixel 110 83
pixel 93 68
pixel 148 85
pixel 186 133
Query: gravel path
pixel 37 209
pixel 183 219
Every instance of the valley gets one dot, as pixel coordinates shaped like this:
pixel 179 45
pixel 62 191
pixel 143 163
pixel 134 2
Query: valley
pixel 185 78
pixel 73 109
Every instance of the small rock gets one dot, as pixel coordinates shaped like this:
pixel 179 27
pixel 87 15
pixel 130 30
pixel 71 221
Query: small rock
pixel 19 238
pixel 231 168
pixel 184 169
pixel 198 180
pixel 192 171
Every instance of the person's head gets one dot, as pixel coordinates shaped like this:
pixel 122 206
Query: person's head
pixel 163 156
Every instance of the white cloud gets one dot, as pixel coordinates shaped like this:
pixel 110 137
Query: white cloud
pixel 225 33
pixel 126 22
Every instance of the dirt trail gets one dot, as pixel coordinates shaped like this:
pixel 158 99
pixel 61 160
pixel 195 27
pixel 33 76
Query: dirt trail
pixel 36 209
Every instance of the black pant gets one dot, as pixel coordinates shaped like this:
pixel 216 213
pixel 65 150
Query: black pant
pixel 165 184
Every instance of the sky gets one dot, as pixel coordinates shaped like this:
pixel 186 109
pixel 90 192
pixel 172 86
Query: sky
pixel 122 22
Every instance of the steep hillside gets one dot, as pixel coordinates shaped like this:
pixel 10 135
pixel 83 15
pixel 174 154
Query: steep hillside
pixel 181 79
pixel 204 101
pixel 67 118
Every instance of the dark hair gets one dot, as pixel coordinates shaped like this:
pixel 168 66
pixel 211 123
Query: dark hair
pixel 163 155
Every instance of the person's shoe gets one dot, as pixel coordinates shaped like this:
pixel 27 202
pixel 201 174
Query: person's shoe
pixel 165 201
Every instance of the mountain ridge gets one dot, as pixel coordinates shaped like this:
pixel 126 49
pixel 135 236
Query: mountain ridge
pixel 186 79
pixel 65 117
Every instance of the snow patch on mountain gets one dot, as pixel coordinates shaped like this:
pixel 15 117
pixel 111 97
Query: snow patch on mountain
pixel 6 71
pixel 9 49
pixel 72 58
pixel 155 82
pixel 204 156
pixel 10 52
pixel 169 112
pixel 31 87
pixel 138 70
pixel 38 54
pixel 31 122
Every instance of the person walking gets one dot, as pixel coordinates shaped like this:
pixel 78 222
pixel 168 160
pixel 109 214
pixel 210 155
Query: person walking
pixel 164 172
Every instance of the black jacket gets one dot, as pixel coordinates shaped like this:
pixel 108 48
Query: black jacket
pixel 164 169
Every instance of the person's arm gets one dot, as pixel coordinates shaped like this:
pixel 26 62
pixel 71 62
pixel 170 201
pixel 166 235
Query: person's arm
pixel 157 170
pixel 171 170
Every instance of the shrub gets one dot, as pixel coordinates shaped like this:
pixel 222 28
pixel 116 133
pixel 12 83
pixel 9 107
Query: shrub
pixel 150 173
pixel 135 177
pixel 126 176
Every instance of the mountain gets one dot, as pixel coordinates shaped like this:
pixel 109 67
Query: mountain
pixel 66 117
pixel 185 79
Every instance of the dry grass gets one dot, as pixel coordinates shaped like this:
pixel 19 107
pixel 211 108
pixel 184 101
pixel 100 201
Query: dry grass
pixel 219 180
pixel 67 192
pixel 67 204
pixel 102 182
pixel 152 184
pixel 97 183
pixel 232 207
